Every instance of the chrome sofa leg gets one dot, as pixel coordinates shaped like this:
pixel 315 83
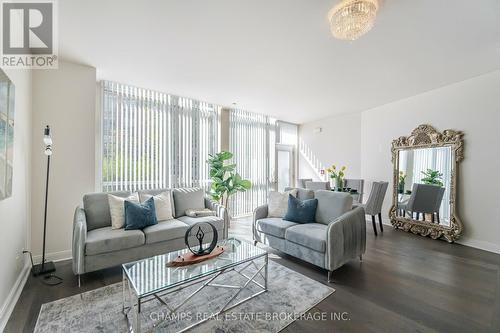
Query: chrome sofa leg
pixel 79 281
pixel 330 276
pixel 360 257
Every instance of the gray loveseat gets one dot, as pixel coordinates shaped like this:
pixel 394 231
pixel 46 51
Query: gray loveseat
pixel 339 234
pixel 97 246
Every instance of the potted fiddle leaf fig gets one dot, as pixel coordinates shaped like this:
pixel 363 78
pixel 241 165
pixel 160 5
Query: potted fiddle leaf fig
pixel 225 180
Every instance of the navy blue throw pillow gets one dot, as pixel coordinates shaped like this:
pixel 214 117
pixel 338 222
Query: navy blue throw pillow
pixel 139 216
pixel 301 211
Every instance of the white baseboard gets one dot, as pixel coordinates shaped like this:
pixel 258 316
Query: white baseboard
pixel 385 221
pixel 477 244
pixel 53 256
pixel 13 296
pixel 481 245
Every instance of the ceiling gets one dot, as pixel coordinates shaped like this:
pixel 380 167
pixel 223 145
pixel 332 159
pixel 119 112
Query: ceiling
pixel 278 57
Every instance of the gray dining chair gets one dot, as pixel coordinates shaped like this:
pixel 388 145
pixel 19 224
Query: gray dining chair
pixel 439 201
pixel 301 182
pixel 356 184
pixel 373 206
pixel 425 199
pixel 318 185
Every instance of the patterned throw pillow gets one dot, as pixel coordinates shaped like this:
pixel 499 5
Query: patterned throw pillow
pixel 301 211
pixel 278 203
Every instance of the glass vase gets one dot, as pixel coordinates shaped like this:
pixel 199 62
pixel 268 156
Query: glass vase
pixel 338 184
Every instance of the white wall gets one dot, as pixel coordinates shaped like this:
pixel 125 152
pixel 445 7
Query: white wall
pixel 339 142
pixel 471 106
pixel 15 210
pixel 65 99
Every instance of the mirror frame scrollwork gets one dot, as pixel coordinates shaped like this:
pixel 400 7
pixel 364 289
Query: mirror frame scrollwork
pixel 426 136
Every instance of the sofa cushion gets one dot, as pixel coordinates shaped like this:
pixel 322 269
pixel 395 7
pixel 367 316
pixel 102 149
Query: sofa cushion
pixel 163 204
pixel 144 194
pixel 310 235
pixel 278 203
pixel 302 193
pixel 165 230
pixel 218 222
pixel 274 226
pixel 304 253
pixel 331 205
pixel 96 208
pixel 103 240
pixel 117 208
pixel 140 215
pixel 186 198
pixel 301 211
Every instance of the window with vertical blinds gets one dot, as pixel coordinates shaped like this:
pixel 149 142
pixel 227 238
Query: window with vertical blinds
pixel 251 140
pixel 155 140
pixel 286 133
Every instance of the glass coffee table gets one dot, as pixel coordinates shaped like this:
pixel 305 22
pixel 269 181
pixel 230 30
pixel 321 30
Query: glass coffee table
pixel 150 279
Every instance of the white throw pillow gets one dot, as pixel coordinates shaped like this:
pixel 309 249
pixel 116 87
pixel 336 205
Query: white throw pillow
pixel 278 203
pixel 117 209
pixel 163 205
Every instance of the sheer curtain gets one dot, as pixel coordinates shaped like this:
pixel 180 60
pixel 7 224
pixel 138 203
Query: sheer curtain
pixel 436 159
pixel 251 140
pixel 155 140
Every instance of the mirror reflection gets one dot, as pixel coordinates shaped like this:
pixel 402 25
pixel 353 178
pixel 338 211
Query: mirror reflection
pixel 6 135
pixel 424 184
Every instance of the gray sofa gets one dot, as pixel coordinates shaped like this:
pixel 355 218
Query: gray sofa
pixel 339 234
pixel 97 246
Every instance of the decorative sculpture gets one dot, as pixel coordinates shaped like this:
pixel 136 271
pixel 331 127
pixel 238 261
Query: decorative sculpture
pixel 203 249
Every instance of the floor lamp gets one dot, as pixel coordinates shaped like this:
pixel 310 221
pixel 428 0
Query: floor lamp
pixel 45 267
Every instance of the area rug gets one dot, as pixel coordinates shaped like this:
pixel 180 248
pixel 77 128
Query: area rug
pixel 289 296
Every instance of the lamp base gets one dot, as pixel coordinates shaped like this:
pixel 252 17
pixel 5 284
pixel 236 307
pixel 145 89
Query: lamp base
pixel 47 267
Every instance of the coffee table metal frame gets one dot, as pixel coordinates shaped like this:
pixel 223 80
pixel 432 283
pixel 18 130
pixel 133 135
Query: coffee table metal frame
pixel 132 302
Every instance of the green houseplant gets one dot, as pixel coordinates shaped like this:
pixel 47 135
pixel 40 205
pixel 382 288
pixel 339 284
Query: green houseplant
pixel 401 183
pixel 432 177
pixel 225 180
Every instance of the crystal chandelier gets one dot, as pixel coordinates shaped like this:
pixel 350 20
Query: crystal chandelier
pixel 350 19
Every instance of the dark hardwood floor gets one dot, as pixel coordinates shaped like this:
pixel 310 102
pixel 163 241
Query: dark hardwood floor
pixel 406 283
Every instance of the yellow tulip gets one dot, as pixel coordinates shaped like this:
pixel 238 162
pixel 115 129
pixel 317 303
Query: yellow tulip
pixel 343 168
pixel 334 167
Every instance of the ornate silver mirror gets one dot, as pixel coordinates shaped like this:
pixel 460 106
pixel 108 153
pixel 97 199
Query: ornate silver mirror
pixel 425 182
